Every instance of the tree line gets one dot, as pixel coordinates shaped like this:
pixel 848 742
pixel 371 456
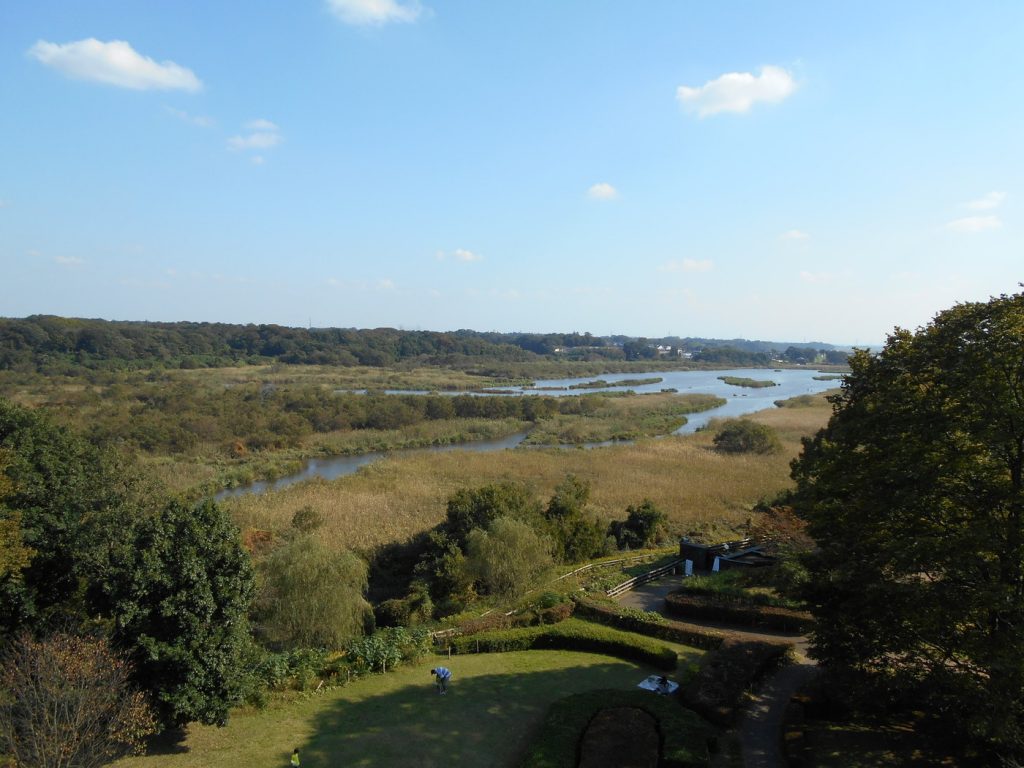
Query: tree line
pixel 56 345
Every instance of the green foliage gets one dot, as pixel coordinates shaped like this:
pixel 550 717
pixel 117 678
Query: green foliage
pixel 740 381
pixel 473 508
pixel 643 526
pixel 647 623
pixel 726 673
pixel 387 648
pixel 573 635
pixel 915 493
pixel 576 535
pixel 312 596
pixel 307 520
pixel 507 557
pixel 179 599
pixel 74 503
pixel 722 607
pixel 745 436
pixel 685 736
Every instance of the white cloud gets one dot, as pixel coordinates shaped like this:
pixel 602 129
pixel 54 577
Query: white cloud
pixel 258 160
pixel 69 261
pixel 375 12
pixel 200 120
pixel 262 134
pixel 988 202
pixel 816 278
pixel 974 223
pixel 602 191
pixel 795 234
pixel 737 91
pixel 114 63
pixel 386 284
pixel 463 255
pixel 687 265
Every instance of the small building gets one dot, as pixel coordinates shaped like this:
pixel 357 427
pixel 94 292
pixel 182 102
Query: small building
pixel 743 553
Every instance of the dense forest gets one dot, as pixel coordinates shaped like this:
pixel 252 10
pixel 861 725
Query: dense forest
pixel 56 345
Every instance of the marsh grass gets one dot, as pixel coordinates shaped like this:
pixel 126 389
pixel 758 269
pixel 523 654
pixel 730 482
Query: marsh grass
pixel 701 491
pixel 628 417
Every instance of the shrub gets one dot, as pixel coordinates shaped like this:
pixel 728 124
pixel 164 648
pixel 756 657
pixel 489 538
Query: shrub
pixel 508 556
pixel 745 436
pixel 685 736
pixel 641 528
pixel 387 648
pixel 726 673
pixel 648 623
pixel 571 635
pixel 730 609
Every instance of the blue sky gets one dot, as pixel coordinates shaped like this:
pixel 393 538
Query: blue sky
pixel 798 171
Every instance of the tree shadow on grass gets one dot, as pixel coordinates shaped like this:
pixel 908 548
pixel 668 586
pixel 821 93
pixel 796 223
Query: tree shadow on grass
pixel 484 720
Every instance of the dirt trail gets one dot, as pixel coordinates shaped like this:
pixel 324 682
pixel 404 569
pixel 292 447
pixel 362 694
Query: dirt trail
pixel 759 727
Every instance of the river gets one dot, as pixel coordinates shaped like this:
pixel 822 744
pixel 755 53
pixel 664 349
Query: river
pixel 740 400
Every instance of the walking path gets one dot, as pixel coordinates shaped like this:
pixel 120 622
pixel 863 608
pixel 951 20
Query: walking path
pixel 759 727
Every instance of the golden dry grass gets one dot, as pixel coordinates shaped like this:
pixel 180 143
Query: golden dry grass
pixel 699 489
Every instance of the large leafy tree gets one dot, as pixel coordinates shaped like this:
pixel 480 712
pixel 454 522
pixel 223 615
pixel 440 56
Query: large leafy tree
pixel 179 602
pixel 914 494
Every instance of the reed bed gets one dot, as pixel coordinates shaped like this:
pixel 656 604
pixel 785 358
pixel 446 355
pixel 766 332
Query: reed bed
pixel 701 491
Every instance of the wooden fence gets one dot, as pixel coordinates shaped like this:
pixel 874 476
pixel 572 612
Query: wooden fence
pixel 643 578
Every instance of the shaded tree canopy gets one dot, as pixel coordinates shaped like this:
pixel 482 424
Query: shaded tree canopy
pixel 914 494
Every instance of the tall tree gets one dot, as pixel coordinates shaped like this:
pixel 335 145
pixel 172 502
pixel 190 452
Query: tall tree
pixel 914 494
pixel 180 603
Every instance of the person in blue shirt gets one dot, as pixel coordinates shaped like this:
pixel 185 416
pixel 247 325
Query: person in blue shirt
pixel 443 675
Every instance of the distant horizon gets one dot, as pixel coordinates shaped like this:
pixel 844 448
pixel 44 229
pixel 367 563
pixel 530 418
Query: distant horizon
pixel 429 163
pixel 759 340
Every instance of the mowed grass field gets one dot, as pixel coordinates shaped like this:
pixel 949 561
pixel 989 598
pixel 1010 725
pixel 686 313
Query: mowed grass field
pixel 699 489
pixel 488 719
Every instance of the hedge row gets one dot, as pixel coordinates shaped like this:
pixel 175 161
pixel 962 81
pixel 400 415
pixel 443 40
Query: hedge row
pixel 648 623
pixel 725 674
pixel 570 635
pixel 697 606
pixel 685 736
pixel 496 621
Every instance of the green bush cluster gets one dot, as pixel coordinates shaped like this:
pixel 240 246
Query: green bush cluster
pixel 648 623
pixel 726 673
pixel 730 609
pixel 572 635
pixel 685 737
pixel 387 648
pixel 745 436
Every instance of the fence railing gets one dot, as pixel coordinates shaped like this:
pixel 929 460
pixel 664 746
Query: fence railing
pixel 643 578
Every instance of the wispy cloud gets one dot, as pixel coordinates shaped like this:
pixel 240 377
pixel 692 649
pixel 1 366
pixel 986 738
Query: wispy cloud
pixel 737 91
pixel 260 134
pixel 817 278
pixel 795 234
pixel 459 254
pixel 375 13
pixel 974 224
pixel 602 191
pixel 199 120
pixel 687 265
pixel 69 261
pixel 988 202
pixel 114 63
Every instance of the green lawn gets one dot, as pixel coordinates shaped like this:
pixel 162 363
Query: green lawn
pixel 488 718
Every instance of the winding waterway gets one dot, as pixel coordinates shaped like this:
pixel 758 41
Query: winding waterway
pixel 740 400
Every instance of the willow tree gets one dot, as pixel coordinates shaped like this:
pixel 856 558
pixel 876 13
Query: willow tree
pixel 914 494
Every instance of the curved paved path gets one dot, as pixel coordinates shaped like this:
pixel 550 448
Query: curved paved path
pixel 759 727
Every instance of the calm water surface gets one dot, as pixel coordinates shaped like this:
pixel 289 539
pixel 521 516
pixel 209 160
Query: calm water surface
pixel 740 400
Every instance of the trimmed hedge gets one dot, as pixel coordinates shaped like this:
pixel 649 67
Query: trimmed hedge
pixel 702 606
pixel 570 635
pixel 724 675
pixel 648 623
pixel 685 737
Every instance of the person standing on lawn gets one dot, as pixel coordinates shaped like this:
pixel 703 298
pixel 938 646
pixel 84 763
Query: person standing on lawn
pixel 443 675
pixel 295 758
